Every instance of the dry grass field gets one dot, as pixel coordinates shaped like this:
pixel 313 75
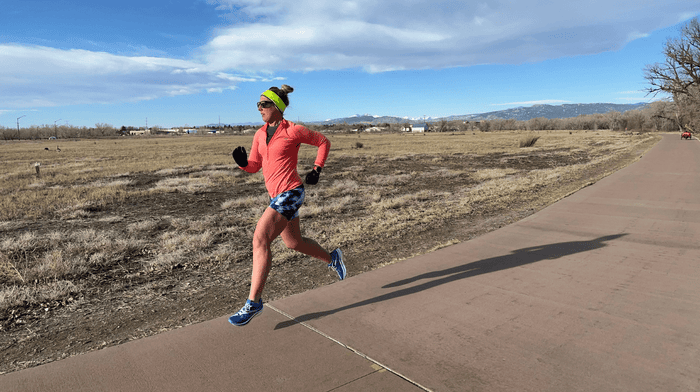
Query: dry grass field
pixel 113 240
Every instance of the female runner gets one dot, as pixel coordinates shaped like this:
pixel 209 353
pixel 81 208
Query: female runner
pixel 275 150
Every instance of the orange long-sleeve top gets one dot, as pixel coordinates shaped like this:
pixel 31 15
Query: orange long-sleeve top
pixel 279 158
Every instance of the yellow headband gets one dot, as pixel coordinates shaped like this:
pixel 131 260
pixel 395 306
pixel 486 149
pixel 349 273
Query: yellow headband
pixel 276 99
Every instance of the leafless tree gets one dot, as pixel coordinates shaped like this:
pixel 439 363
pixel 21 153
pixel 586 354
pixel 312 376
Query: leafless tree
pixel 679 76
pixel 102 129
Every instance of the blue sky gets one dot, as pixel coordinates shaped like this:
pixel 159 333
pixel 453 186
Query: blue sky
pixel 176 62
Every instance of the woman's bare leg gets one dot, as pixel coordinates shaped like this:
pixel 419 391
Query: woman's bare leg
pixel 270 225
pixel 291 235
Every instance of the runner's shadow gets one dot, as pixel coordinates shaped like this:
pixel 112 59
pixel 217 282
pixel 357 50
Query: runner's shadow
pixel 516 258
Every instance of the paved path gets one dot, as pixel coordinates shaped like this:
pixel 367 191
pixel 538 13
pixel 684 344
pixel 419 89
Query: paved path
pixel 598 292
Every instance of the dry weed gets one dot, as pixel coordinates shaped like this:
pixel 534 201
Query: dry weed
pixel 14 296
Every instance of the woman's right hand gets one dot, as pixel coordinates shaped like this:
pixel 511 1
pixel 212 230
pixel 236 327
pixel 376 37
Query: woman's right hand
pixel 240 156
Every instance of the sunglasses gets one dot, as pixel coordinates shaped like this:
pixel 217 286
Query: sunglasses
pixel 265 104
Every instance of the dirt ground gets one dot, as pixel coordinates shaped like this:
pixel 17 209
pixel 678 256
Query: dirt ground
pixel 126 303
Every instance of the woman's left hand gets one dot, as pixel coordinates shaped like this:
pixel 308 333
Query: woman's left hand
pixel 312 177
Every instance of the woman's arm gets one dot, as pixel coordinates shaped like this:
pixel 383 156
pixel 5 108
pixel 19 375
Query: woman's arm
pixel 316 139
pixel 255 159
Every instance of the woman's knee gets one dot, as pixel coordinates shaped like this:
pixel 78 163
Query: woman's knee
pixel 260 240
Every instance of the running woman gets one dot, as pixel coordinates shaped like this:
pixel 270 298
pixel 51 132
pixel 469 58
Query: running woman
pixel 275 150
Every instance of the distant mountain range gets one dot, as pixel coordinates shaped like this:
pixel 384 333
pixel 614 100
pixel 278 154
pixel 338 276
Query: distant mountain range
pixel 519 113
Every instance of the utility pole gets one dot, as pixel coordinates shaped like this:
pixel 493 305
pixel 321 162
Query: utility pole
pixel 18 125
pixel 55 132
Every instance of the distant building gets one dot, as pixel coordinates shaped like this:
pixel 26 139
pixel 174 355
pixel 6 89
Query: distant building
pixel 416 128
pixel 139 131
pixel 421 127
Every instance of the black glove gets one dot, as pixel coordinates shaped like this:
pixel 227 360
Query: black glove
pixel 312 177
pixel 240 156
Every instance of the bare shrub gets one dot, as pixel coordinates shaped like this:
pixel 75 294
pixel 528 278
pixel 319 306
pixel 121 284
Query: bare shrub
pixel 528 141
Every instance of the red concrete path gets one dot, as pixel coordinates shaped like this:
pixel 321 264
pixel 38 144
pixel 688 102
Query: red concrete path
pixel 598 292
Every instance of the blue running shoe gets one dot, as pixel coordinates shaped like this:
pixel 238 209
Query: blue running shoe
pixel 337 263
pixel 247 312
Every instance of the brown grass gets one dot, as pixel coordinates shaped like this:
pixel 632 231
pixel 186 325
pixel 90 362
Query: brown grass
pixel 386 189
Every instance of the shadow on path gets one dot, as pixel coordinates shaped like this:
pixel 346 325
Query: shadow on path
pixel 516 258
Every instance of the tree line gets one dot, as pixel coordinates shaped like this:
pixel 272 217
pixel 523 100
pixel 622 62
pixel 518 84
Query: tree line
pixel 99 131
pixel 35 132
pixel 659 116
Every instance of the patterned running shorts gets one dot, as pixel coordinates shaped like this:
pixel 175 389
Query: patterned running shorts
pixel 288 203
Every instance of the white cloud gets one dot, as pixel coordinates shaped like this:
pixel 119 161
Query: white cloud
pixel 35 76
pixel 307 35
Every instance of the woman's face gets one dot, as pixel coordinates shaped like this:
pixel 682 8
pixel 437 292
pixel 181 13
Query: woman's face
pixel 269 114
